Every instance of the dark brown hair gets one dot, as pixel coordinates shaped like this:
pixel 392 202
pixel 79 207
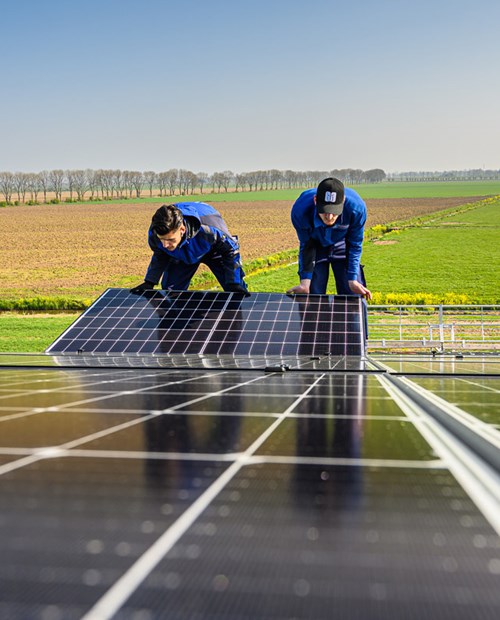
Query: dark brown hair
pixel 166 219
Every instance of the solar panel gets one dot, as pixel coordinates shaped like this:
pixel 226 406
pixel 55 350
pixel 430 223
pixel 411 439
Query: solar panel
pixel 218 324
pixel 152 493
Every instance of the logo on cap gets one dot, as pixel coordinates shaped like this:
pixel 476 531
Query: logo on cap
pixel 330 196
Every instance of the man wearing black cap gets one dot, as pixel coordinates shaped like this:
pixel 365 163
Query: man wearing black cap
pixel 330 222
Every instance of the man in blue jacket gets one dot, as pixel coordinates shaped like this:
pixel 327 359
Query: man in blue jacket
pixel 329 222
pixel 184 235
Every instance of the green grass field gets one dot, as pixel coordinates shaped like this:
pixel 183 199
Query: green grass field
pixel 376 190
pixel 429 190
pixel 456 254
pixel 28 333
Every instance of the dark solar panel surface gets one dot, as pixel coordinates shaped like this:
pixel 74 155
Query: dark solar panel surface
pixel 143 486
pixel 180 493
pixel 218 324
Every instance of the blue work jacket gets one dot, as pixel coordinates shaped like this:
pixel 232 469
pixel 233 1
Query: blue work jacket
pixel 206 232
pixel 348 228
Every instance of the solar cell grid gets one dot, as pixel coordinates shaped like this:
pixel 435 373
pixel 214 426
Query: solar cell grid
pixel 158 493
pixel 217 323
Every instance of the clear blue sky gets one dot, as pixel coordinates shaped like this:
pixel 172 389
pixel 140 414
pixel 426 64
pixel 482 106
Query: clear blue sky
pixel 244 85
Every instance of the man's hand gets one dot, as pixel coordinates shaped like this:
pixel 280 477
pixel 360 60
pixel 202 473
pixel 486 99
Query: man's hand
pixel 357 288
pixel 236 288
pixel 139 289
pixel 300 289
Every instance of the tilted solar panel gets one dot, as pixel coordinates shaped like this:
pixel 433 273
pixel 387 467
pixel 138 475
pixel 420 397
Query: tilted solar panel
pixel 217 323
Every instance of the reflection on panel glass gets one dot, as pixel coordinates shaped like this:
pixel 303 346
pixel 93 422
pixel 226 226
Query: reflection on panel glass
pixel 338 434
pixel 181 435
pixel 342 418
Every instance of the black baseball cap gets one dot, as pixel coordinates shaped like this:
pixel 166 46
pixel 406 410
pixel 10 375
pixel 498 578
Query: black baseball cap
pixel 330 196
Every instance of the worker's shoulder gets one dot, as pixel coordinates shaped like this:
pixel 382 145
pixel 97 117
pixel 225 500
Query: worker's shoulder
pixel 354 200
pixel 195 208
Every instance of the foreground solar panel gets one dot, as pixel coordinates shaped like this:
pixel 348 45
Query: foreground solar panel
pixel 217 324
pixel 175 494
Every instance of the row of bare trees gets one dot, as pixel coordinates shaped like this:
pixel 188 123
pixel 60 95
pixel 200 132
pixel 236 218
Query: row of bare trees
pixel 108 184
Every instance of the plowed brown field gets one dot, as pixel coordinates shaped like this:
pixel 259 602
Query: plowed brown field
pixel 80 250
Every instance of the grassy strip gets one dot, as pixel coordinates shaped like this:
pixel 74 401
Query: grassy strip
pixel 366 190
pixel 429 189
pixel 27 333
pixel 44 304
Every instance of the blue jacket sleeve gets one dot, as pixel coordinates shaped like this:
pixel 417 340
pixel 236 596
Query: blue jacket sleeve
pixel 229 249
pixel 307 246
pixel 354 244
pixel 158 265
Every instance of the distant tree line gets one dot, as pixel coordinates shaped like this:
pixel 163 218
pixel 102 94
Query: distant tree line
pixel 449 175
pixel 78 185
